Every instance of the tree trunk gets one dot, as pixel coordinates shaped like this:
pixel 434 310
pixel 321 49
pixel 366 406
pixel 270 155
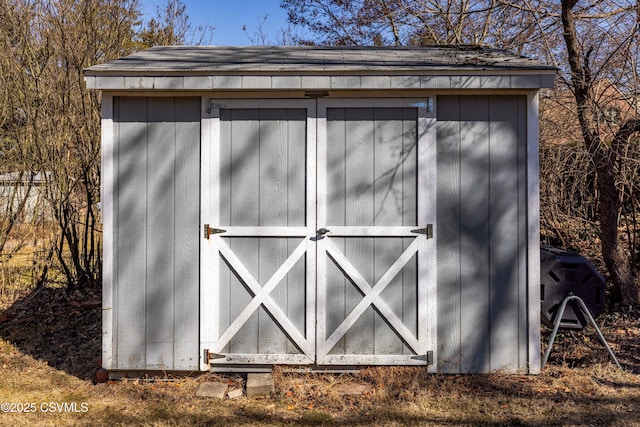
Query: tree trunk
pixel 605 158
pixel 617 261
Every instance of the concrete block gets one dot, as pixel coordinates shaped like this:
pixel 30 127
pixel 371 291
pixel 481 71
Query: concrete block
pixel 235 394
pixel 259 384
pixel 212 389
pixel 351 389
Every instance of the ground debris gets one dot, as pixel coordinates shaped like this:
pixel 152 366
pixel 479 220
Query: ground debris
pixel 579 385
pixel 60 328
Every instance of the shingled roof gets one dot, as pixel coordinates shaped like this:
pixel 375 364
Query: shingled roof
pixel 197 63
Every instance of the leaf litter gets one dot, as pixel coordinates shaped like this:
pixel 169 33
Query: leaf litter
pixel 50 350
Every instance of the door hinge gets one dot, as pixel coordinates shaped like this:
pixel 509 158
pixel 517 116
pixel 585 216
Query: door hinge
pixel 427 104
pixel 208 357
pixel 427 357
pixel 427 231
pixel 208 231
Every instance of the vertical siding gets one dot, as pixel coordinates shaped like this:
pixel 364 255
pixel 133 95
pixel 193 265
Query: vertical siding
pixel 481 225
pixel 240 131
pixel 474 235
pixel 187 250
pixel 448 230
pixel 156 210
pixel 507 245
pixel 160 249
pixel 130 227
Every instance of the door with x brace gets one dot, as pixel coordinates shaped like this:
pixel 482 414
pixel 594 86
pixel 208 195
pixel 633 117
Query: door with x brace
pixel 316 240
pixel 376 206
pixel 258 259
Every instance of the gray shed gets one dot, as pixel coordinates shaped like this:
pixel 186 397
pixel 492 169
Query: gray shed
pixel 320 206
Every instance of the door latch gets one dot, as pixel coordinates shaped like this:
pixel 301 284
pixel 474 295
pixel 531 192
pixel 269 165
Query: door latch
pixel 320 233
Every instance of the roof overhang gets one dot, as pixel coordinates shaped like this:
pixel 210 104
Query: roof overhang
pixel 320 68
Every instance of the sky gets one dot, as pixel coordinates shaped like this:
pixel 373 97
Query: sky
pixel 228 18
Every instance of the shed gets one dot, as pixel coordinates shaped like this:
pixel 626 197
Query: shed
pixel 327 207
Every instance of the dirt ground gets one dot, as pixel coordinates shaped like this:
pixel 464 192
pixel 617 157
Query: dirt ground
pixel 50 349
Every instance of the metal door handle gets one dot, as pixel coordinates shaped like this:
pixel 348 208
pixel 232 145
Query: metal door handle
pixel 320 233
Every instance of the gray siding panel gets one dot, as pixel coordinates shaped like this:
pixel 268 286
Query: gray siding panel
pixel 481 222
pixel 296 216
pixel 157 240
pixel 130 229
pixel 187 232
pixel 474 236
pixel 523 242
pixel 359 210
pixel 503 221
pixel 448 229
pixel 273 189
pixel 506 196
pixel 244 210
pixel 160 237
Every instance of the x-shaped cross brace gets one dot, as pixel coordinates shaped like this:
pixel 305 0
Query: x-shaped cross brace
pixel 262 296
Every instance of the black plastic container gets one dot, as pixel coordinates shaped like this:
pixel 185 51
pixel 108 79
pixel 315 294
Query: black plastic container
pixel 563 273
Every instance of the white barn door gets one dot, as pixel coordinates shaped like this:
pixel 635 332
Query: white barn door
pixel 317 245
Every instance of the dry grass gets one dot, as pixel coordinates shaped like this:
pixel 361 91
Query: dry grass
pixel 594 395
pixel 49 344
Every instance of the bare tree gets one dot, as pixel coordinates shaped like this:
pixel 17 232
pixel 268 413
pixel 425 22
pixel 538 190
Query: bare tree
pixel 49 122
pixel 595 46
pixel 170 27
pixel 606 155
pixel 414 22
pixel 55 123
